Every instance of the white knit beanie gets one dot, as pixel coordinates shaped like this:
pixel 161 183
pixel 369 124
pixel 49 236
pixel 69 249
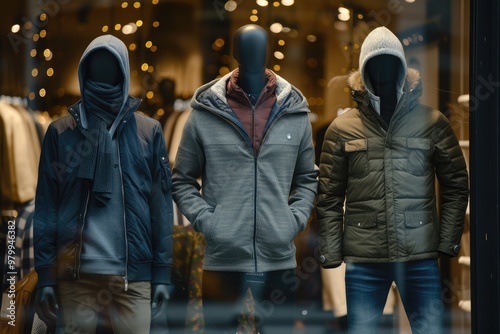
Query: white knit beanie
pixel 378 42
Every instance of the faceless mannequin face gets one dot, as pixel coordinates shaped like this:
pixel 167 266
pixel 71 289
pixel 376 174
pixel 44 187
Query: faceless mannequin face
pixel 102 66
pixel 250 48
pixel 383 70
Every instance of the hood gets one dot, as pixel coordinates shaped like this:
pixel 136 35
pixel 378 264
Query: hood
pixel 119 50
pixel 381 41
pixel 212 96
pixel 412 86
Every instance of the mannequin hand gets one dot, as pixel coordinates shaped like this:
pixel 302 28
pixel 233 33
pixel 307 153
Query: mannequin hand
pixel 159 299
pixel 159 294
pixel 46 305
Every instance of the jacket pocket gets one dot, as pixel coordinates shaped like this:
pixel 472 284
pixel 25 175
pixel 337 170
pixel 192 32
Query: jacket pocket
pixel 208 226
pixel 421 232
pixel 357 151
pixel 419 156
pixel 361 235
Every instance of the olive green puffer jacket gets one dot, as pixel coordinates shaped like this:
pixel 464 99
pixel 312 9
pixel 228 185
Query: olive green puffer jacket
pixel 386 177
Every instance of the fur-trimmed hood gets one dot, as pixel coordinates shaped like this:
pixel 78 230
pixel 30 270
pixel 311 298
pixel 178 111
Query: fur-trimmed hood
pixel 412 88
pixel 411 82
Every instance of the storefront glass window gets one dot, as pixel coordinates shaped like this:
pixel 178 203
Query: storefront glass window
pixel 175 46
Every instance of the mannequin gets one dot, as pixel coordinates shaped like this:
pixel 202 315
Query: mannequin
pixel 251 50
pixel 383 72
pixel 101 67
pixel 396 147
pixel 240 255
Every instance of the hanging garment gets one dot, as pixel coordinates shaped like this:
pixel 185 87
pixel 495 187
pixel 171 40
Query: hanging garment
pixel 19 169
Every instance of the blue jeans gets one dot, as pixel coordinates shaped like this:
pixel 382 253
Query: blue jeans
pixel 419 285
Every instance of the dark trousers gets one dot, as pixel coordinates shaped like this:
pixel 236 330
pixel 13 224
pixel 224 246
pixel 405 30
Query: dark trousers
pixel 233 300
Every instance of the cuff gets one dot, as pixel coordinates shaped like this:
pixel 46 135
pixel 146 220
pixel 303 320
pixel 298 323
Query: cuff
pixel 329 263
pixel 47 276
pixel 451 250
pixel 161 275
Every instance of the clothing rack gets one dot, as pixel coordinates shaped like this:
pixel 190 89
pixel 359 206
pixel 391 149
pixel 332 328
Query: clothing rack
pixel 14 100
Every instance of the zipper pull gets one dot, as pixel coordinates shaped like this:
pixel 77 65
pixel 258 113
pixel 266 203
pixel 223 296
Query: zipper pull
pixel 126 283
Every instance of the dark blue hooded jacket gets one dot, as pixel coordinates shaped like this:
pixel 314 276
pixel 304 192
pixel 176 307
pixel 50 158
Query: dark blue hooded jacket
pixel 62 198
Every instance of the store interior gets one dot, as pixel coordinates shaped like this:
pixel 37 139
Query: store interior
pixel 175 46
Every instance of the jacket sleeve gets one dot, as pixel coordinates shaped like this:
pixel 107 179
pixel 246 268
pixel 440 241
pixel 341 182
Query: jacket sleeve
pixel 161 211
pixel 331 195
pixel 187 171
pixel 46 210
pixel 453 180
pixel 305 183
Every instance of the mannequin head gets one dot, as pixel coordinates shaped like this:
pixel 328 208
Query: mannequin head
pixel 102 66
pixel 251 50
pixel 250 47
pixel 383 72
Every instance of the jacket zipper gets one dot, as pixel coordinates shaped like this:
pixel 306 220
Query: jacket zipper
pixel 80 235
pixel 255 190
pixel 125 278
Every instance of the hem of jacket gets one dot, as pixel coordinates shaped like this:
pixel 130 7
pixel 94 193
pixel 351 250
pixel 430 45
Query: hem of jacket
pixel 141 272
pixel 413 257
pixel 237 265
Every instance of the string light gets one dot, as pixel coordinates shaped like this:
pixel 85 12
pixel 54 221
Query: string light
pixel 276 27
pixel 15 28
pixel 126 29
pixel 230 6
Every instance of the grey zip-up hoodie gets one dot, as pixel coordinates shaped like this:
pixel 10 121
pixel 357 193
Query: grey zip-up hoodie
pixel 251 205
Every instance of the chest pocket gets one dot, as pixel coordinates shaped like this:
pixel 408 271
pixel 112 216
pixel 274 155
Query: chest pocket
pixel 357 152
pixel 419 156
